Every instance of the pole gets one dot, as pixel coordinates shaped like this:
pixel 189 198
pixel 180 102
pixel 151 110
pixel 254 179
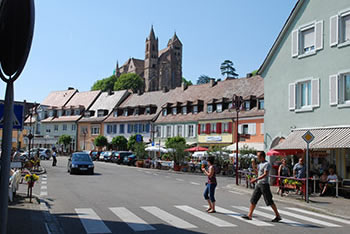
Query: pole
pixel 5 156
pixel 237 147
pixel 307 173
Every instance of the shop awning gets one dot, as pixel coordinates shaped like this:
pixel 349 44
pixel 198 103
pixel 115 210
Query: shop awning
pixel 325 138
pixel 255 145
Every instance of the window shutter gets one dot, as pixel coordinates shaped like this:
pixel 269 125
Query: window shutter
pixel 199 129
pixel 319 35
pixel 252 129
pixel 295 43
pixel 333 90
pixel 230 127
pixel 315 92
pixel 183 130
pixel 333 40
pixel 240 128
pixel 291 96
pixel 108 129
pixel 218 127
pixel 207 128
pixel 114 128
pixel 194 131
pixel 262 130
pixel 147 128
pixel 186 130
pixel 172 131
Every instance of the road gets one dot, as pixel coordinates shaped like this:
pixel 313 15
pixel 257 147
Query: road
pixel 123 199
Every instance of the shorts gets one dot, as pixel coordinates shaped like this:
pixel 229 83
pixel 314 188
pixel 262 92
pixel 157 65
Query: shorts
pixel 263 189
pixel 209 192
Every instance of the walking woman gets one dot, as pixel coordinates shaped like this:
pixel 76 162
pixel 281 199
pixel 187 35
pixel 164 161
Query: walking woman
pixel 283 171
pixel 54 159
pixel 209 191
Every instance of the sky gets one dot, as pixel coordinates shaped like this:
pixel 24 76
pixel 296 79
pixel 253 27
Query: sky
pixel 77 42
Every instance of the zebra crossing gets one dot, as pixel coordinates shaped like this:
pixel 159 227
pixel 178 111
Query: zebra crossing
pixel 224 218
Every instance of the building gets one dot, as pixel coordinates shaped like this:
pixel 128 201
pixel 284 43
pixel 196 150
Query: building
pixel 161 69
pixel 307 84
pixel 90 125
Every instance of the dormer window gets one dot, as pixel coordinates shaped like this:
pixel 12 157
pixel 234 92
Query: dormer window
pixel 174 111
pixel 125 112
pixel 59 113
pixel 100 113
pixel 68 112
pixel 148 110
pixel 115 113
pixel 210 108
pixel 219 107
pixel 136 111
pixel 165 112
pixel 230 105
pixel 247 105
pixel 184 110
pixel 195 109
pixel 261 104
pixel 87 114
pixel 51 113
pixel 77 112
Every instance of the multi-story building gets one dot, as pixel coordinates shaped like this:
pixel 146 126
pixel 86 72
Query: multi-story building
pixel 307 84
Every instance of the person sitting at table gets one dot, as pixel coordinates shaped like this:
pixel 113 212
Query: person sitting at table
pixel 299 172
pixel 283 171
pixel 331 181
pixel 323 181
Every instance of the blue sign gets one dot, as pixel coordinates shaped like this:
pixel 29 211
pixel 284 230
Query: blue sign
pixel 17 116
pixel 152 143
pixel 138 138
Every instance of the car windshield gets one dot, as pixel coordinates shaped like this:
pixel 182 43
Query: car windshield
pixel 81 157
pixel 108 154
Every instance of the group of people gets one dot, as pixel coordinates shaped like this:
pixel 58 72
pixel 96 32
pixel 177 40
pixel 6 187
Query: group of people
pixel 262 187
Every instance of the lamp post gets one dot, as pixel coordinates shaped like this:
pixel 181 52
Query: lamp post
pixel 237 103
pixel 84 133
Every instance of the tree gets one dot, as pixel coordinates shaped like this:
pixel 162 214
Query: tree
pixel 119 143
pixel 65 140
pixel 100 141
pixel 186 82
pixel 228 69
pixel 203 79
pixel 105 84
pixel 129 81
pixel 132 142
pixel 178 146
pixel 255 72
pixel 139 150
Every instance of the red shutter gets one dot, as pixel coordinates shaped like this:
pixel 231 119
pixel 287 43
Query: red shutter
pixel 218 127
pixel 199 129
pixel 207 128
pixel 230 127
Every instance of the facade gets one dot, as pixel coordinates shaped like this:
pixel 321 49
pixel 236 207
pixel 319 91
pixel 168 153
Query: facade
pixel 161 69
pixel 90 125
pixel 307 83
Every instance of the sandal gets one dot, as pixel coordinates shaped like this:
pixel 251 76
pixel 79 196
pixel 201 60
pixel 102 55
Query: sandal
pixel 211 211
pixel 208 209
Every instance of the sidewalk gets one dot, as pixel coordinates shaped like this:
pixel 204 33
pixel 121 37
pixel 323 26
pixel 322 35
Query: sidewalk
pixel 326 205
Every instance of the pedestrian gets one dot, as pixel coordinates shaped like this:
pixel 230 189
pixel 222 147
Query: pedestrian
pixel 283 171
pixel 209 191
pixel 299 172
pixel 262 188
pixel 54 155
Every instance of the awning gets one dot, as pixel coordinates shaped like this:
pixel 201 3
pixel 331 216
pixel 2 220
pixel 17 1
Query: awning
pixel 274 152
pixel 256 145
pixel 325 138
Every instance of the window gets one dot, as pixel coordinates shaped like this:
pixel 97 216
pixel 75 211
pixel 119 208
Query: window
pixel 245 129
pixel 225 127
pixel 184 110
pixel 210 108
pixel 147 128
pixel 164 112
pixel 168 131
pixel 190 130
pixel 68 112
pixel 84 130
pixel 130 128
pixel 109 129
pixel 74 127
pixel 344 88
pixel 213 127
pixel 179 130
pixel 261 104
pixel 174 111
pixel 203 129
pixel 307 39
pixel 340 29
pixel 148 110
pixel 55 127
pixel 304 95
pixel 48 130
pixel 158 131
pixel 59 113
pixel 247 105
pixel 125 112
pixel 77 112
pixel 115 113
pixel 64 127
pixel 230 105
pixel 100 113
pixel 114 130
pixel 219 107
pixel 195 109
pixel 95 130
pixel 121 128
pixel 136 130
pixel 51 113
pixel 136 111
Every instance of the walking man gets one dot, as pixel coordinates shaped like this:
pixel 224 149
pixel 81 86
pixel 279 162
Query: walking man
pixel 54 159
pixel 262 188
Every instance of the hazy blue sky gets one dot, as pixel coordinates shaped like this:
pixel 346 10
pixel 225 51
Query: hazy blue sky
pixel 77 42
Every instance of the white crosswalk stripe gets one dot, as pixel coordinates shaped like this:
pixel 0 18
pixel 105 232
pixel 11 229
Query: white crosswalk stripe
pixel 206 217
pixel 238 216
pixel 320 215
pixel 305 218
pixel 169 218
pixel 134 222
pixel 91 221
pixel 269 216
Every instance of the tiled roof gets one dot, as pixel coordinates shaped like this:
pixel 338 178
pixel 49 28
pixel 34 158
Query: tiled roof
pixel 139 63
pixel 58 98
pixel 83 98
pixel 71 118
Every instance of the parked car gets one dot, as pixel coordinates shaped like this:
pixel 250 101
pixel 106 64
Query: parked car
pixel 130 160
pixel 108 155
pixel 93 155
pixel 101 157
pixel 80 162
pixel 120 155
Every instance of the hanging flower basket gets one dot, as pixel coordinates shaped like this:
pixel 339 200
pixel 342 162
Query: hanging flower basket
pixel 30 179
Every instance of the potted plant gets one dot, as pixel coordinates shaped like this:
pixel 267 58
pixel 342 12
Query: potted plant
pixel 177 152
pixel 140 153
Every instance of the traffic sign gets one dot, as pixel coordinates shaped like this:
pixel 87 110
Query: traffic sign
pixel 138 138
pixel 308 137
pixel 17 116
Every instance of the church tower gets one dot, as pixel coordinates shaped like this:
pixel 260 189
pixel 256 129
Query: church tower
pixel 151 63
pixel 175 47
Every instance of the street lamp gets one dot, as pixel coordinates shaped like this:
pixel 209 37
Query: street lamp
pixel 84 133
pixel 237 102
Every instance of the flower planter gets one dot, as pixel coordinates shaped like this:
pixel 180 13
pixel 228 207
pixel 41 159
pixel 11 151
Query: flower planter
pixel 139 163
pixel 290 186
pixel 177 167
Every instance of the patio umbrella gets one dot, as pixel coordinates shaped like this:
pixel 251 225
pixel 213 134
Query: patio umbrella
pixel 195 149
pixel 156 149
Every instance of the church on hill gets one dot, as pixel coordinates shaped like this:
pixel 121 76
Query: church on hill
pixel 161 69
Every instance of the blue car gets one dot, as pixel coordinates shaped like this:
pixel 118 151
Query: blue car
pixel 80 162
pixel 130 160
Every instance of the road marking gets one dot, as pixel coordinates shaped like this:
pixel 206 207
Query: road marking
pixel 43 193
pixel 169 218
pixel 155 174
pixel 167 177
pixel 195 183
pixel 91 221
pixel 134 222
pixel 206 217
pixel 179 179
pixel 44 179
pixel 43 187
pixel 43 182
pixel 305 218
pixel 148 172
pixel 235 192
pixel 321 215
pixel 269 216
pixel 238 216
pixel 44 175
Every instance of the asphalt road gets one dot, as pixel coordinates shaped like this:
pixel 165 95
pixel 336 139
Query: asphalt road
pixel 123 199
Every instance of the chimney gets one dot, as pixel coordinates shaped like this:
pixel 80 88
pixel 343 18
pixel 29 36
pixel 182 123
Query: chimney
pixel 212 82
pixel 70 88
pixel 110 92
pixel 165 89
pixel 183 86
pixel 139 92
pixel 249 75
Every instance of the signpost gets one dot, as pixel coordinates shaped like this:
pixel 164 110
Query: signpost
pixel 308 138
pixel 17 116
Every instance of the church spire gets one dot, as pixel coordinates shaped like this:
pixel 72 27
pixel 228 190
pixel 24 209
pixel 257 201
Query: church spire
pixel 117 70
pixel 151 34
